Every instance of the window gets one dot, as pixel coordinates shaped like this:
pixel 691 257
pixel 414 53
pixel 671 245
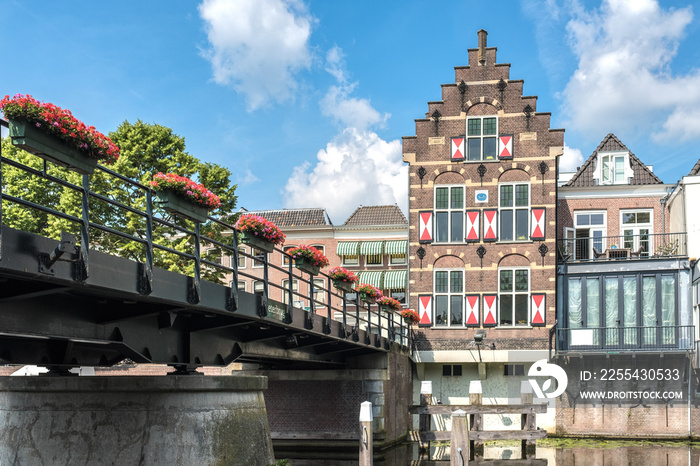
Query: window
pixel 214 255
pixel 351 260
pixel 258 254
pixel 589 231
pixel 373 259
pixel 399 295
pixel 452 370
pixel 258 287
pixel 397 259
pixel 514 211
pixel 241 257
pixel 482 138
pixel 514 296
pixel 285 258
pixel 295 288
pixel 449 214
pixel 636 228
pixel 612 168
pixel 449 296
pixel 514 369
pixel 319 292
pixel 241 285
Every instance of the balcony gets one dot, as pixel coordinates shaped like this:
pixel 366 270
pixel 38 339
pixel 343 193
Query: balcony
pixel 625 339
pixel 625 247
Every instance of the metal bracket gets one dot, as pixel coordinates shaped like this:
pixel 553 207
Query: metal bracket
pixel 67 245
pixel 145 280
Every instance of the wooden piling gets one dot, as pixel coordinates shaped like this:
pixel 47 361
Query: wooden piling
pixel 476 421
pixel 426 394
pixel 527 421
pixel 366 448
pixel 459 439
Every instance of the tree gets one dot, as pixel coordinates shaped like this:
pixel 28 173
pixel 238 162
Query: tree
pixel 145 149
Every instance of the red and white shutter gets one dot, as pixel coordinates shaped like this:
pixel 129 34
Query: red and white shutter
pixel 505 146
pixel 490 301
pixel 472 310
pixel 490 224
pixel 537 223
pixel 539 303
pixel 425 309
pixel 458 149
pixel 425 226
pixel 472 225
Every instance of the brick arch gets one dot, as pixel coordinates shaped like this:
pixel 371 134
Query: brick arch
pixel 514 260
pixel 518 173
pixel 448 262
pixel 485 108
pixel 448 177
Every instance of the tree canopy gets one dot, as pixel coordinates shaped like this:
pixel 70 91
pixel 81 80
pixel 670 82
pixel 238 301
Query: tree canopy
pixel 145 149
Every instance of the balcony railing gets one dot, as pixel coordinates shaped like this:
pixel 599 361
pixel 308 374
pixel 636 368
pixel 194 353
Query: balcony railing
pixel 626 339
pixel 623 247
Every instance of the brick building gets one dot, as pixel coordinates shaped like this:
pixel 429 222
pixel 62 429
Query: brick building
pixel 372 242
pixel 482 234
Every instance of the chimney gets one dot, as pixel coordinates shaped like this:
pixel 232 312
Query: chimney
pixel 482 46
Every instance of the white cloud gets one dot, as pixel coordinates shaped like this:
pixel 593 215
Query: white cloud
pixel 570 160
pixel 247 178
pixel 357 166
pixel 257 46
pixel 624 80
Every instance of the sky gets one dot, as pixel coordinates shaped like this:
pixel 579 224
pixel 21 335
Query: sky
pixel 306 101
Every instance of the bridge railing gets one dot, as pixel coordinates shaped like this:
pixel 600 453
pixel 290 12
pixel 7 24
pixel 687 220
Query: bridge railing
pixel 112 213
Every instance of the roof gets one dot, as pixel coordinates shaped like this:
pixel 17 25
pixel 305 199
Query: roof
pixel 295 217
pixel 377 215
pixel 584 176
pixel 696 169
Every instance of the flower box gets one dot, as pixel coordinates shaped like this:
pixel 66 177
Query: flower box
pixel 343 285
pixel 365 297
pixel 178 205
pixel 305 265
pixel 257 242
pixel 47 146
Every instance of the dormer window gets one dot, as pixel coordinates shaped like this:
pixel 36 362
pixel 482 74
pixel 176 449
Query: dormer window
pixel 613 168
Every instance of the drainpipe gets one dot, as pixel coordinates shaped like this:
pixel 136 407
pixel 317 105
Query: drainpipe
pixel 663 216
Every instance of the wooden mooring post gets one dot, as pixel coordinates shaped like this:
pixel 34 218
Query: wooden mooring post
pixel 459 440
pixel 366 448
pixel 476 421
pixel 527 421
pixel 426 394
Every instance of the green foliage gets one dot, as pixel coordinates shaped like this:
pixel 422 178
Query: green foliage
pixel 145 149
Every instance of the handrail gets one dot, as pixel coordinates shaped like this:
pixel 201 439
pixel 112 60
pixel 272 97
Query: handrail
pixel 365 316
pixel 622 247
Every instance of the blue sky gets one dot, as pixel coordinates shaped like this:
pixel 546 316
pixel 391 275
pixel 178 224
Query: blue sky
pixel 306 101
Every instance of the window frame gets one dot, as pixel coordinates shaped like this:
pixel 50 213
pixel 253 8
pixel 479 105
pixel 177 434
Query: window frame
pixel 255 252
pixel 393 262
pixel 514 293
pixel 449 294
pixel 610 158
pixel 514 209
pixel 450 211
pixel 481 137
pixel 242 249
pixel 345 263
pixel 285 290
pixel 374 264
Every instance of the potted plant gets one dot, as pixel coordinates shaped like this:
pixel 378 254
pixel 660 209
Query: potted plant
pixel 389 304
pixel 181 196
pixel 369 293
pixel 410 316
pixel 343 279
pixel 308 259
pixel 54 134
pixel 259 232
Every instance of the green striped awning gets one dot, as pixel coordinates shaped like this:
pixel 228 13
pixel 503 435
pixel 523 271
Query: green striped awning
pixel 347 248
pixel 371 278
pixel 396 247
pixel 395 279
pixel 371 248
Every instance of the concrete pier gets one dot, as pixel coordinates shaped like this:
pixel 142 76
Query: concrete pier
pixel 184 420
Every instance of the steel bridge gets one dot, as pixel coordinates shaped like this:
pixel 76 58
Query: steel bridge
pixel 81 286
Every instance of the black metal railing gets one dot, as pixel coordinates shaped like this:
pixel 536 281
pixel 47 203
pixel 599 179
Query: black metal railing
pixel 89 209
pixel 626 339
pixel 623 247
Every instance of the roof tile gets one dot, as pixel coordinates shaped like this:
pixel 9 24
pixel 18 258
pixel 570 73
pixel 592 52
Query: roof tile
pixel 377 215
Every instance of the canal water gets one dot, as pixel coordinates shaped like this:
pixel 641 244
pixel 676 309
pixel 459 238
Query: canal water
pixel 550 452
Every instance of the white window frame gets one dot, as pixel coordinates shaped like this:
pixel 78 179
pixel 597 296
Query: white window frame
pixel 449 295
pixel 592 230
pixel 255 286
pixel 320 293
pixel 513 294
pixel 241 285
pixel 514 209
pixel 241 257
pixel 285 290
pixel 613 177
pixel 257 264
pixel 450 210
pixel 636 227
pixel 353 263
pixel 481 138
pixel 397 259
